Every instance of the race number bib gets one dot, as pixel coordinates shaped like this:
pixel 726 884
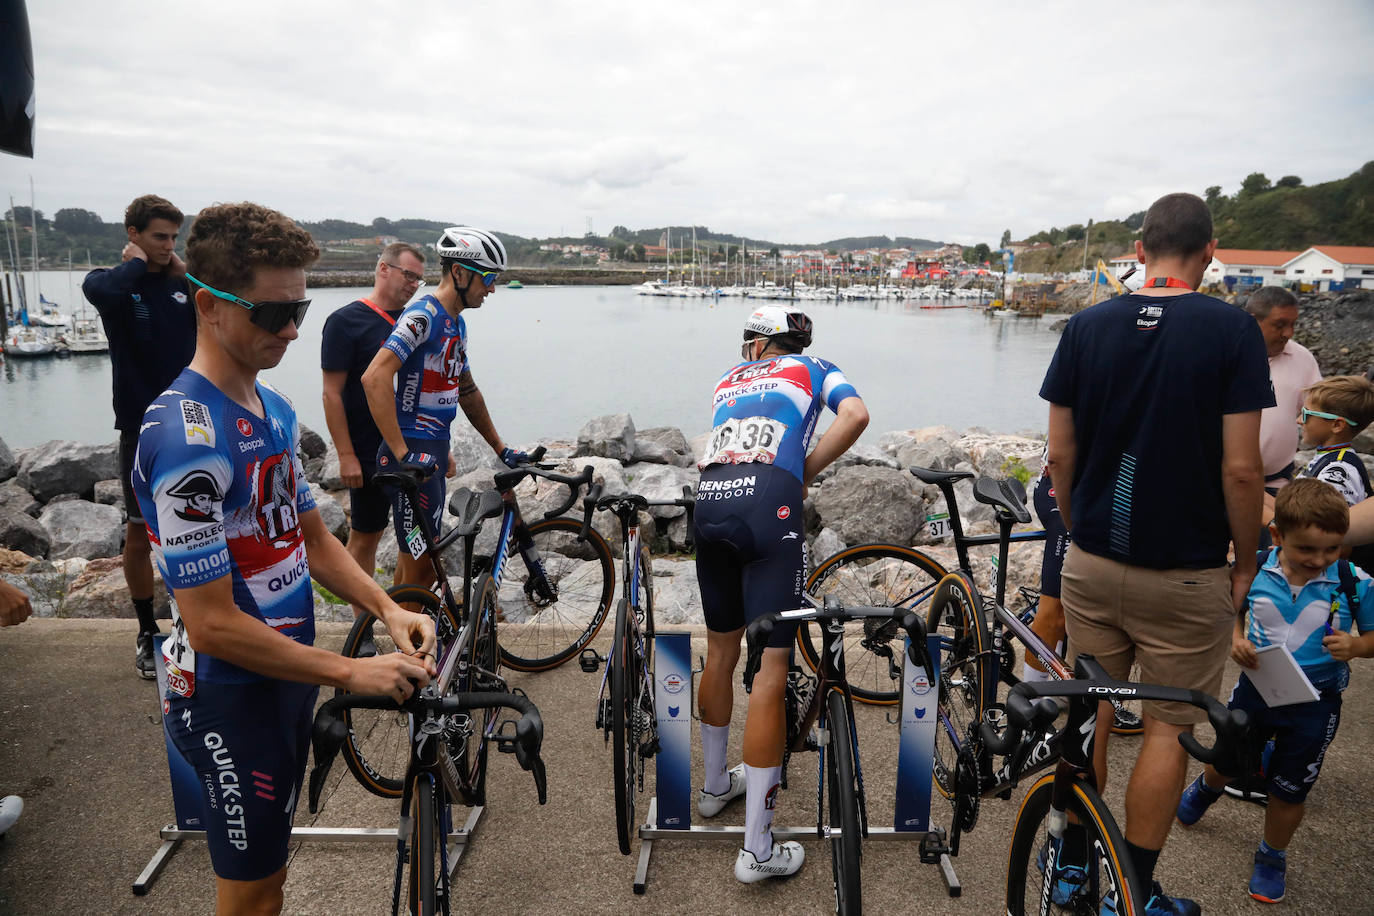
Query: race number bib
pixel 745 440
pixel 938 526
pixel 415 542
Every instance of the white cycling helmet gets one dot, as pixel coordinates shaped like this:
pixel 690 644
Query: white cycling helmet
pixel 475 247
pixel 779 321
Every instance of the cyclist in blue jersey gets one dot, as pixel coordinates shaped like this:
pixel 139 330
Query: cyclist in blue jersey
pixel 237 538
pixel 751 555
pixel 420 378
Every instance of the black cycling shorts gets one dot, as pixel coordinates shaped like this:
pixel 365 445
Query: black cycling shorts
pixel 248 743
pixel 1056 538
pixel 128 447
pixel 751 546
pixel 369 507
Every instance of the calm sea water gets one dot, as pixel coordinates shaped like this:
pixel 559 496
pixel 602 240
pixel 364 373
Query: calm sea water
pixel 547 359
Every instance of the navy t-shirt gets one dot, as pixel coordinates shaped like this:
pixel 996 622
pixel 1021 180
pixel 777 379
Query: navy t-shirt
pixel 351 338
pixel 1149 379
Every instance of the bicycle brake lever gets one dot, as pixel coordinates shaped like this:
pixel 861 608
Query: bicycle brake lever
pixel 541 782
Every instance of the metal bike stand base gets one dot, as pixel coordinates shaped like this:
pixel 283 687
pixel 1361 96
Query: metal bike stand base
pixel 650 831
pixel 173 836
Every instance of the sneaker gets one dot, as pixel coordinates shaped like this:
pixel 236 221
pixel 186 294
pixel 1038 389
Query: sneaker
pixel 11 806
pixel 1068 879
pixel 1161 904
pixel 1195 802
pixel 1126 721
pixel 709 805
pixel 1268 879
pixel 143 657
pixel 785 861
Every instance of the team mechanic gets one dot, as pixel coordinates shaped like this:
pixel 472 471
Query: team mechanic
pixel 420 378
pixel 236 536
pixel 751 555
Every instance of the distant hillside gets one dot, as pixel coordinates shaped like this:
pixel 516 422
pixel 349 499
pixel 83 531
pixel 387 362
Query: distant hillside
pixel 704 234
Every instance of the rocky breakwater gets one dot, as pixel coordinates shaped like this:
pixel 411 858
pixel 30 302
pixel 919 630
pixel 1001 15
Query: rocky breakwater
pixel 1339 330
pixel 61 522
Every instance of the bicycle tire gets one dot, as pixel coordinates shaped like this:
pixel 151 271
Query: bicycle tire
pixel 483 664
pixel 378 747
pixel 625 750
pixel 843 792
pixel 871 575
pixel 1108 868
pixel 538 633
pixel 420 881
pixel 966 685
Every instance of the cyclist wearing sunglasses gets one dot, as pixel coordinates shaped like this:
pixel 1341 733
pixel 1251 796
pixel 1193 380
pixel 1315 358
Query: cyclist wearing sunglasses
pixel 421 376
pixel 237 538
pixel 352 336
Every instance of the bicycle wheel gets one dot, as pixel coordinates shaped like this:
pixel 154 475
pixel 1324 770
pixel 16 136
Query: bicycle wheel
pixel 842 790
pixel 1085 879
pixel 378 745
pixel 626 684
pixel 966 687
pixel 876 575
pixel 554 602
pixel 469 732
pixel 423 855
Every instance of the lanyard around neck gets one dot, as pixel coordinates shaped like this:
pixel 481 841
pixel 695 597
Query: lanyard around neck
pixel 385 317
pixel 1171 282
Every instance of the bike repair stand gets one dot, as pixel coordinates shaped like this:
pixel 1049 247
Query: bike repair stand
pixel 670 810
pixel 187 803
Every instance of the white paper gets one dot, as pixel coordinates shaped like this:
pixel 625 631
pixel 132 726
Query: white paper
pixel 1279 678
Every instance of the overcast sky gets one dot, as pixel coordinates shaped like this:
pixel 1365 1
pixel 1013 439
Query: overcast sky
pixel 797 122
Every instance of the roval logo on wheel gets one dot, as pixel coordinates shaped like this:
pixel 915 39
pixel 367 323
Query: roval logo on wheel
pixel 783 512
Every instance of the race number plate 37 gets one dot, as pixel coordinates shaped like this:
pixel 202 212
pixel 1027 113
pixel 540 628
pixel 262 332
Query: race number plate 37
pixel 745 440
pixel 938 526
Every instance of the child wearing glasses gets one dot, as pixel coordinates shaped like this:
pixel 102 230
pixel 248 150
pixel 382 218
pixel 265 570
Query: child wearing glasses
pixel 1335 411
pixel 1306 598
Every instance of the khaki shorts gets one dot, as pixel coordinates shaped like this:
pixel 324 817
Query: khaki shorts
pixel 1176 623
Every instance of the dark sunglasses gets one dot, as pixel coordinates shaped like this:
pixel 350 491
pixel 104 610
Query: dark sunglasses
pixel 488 276
pixel 270 316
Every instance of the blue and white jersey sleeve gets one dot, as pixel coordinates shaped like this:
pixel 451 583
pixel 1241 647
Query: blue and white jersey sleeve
pixel 413 329
pixel 835 388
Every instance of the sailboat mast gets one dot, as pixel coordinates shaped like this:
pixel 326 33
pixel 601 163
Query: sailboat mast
pixel 33 221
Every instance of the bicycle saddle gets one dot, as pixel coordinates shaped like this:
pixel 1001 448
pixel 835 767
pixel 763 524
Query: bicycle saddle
pixel 1008 495
pixel 471 508
pixel 930 475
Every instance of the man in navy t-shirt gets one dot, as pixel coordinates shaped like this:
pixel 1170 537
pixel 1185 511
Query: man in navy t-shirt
pixel 1155 401
pixel 352 336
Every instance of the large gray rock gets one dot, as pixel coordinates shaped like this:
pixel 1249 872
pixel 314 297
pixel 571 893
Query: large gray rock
pixel 936 454
pixel 312 443
pixel 698 445
pixel 15 497
pixel 1002 456
pixel 67 467
pixel 331 513
pixel 660 482
pixel 663 445
pixel 100 591
pixel 21 531
pixel 609 436
pixel 870 504
pixel 470 451
pixel 109 493
pixel 43 590
pixel 330 475
pixel 9 465
pixel 863 454
pixel 78 528
pixel 677 596
pixel 825 545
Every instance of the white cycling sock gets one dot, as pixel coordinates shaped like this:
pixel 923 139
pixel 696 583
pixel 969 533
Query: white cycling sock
pixel 714 740
pixel 761 794
pixel 1033 675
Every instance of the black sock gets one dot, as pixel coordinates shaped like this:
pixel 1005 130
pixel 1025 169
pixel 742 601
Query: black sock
pixel 1144 861
pixel 143 607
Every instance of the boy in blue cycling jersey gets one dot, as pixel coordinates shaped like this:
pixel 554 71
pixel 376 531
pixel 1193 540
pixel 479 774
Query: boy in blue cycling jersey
pixel 1301 599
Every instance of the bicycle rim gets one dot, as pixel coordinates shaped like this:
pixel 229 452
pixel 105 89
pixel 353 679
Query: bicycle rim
pixel 1105 875
pixel 625 752
pixel 843 792
pixel 966 688
pixel 550 615
pixel 879 575
pixel 483 661
pixel 424 851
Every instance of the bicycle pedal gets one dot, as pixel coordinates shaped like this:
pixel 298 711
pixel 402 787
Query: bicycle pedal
pixel 505 740
pixel 590 660
pixel 933 847
pixel 649 749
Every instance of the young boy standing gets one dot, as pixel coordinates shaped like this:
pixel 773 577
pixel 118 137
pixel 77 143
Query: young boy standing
pixel 1302 599
pixel 1334 412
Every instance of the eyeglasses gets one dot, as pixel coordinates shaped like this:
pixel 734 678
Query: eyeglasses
pixel 1304 413
pixel 488 276
pixel 270 316
pixel 410 275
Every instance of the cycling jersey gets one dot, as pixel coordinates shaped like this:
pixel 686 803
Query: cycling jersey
pixel 222 491
pixel 765 411
pixel 1341 467
pixel 432 347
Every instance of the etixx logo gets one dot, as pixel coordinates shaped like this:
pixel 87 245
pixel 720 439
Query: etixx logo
pixel 674 683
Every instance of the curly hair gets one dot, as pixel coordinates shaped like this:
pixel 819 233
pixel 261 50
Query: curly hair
pixel 149 207
pixel 230 241
pixel 1307 501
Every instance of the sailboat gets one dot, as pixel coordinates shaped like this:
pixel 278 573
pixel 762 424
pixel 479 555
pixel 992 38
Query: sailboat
pixel 49 314
pixel 87 335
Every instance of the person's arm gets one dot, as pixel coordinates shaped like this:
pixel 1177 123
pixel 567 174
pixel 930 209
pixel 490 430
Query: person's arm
pixel 1242 483
pixel 110 288
pixel 379 384
pixel 1242 649
pixel 1361 524
pixel 350 469
pixel 1061 459
pixel 475 409
pixel 851 419
pixel 14 605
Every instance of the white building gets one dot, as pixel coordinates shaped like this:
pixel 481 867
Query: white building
pixel 1247 267
pixel 1328 267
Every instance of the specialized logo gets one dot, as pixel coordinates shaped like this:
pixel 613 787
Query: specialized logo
pixel 200 429
pixel 784 512
pixel 274 489
pixel 201 492
pixel 245 428
pixel 790 536
pixel 674 683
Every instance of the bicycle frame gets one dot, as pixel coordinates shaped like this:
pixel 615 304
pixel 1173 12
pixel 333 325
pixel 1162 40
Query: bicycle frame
pixel 633 572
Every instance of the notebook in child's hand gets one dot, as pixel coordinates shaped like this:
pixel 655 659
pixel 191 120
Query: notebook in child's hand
pixel 1279 678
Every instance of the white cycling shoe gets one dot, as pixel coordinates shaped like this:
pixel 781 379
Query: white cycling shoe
pixel 11 806
pixel 709 805
pixel 786 861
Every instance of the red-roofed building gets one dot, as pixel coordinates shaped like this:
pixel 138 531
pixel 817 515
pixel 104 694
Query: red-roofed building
pixel 1332 267
pixel 1247 267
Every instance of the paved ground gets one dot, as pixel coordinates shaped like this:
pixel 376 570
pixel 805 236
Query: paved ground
pixel 80 740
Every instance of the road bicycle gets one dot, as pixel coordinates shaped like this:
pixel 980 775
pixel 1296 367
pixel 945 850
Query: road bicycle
pixel 820 717
pixel 435 776
pixel 625 709
pixel 559 590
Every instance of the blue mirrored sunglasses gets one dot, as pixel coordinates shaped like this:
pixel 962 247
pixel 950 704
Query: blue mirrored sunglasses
pixel 488 276
pixel 270 316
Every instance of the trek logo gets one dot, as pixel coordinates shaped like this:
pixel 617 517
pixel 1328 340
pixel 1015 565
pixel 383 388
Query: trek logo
pixel 230 788
pixel 749 373
pixel 201 493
